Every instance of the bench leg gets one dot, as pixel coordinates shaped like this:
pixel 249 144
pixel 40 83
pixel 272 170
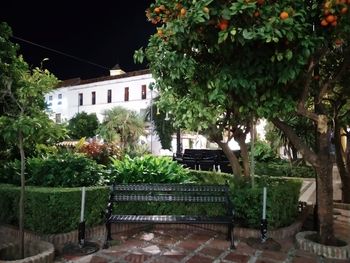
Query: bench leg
pixel 109 235
pixel 230 236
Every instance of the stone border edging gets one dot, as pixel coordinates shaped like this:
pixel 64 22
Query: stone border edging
pixel 280 233
pixel 331 252
pixel 47 255
pixel 58 240
pixel 99 232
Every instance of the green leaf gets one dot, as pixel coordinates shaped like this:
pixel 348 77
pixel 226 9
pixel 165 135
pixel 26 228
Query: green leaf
pixel 248 34
pixel 289 54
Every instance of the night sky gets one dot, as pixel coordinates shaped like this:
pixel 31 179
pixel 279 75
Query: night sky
pixel 103 32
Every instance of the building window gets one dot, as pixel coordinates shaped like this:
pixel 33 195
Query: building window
pixel 109 96
pixel 143 92
pixel 59 96
pixel 50 97
pixel 58 117
pixel 126 94
pixel 81 99
pixel 59 103
pixel 93 97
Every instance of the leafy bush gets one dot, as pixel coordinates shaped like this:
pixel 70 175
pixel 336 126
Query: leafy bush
pixel 101 153
pixel 282 202
pixel 284 169
pixel 210 177
pixel 52 210
pixel 64 170
pixel 10 172
pixel 263 152
pixel 83 125
pixel 148 169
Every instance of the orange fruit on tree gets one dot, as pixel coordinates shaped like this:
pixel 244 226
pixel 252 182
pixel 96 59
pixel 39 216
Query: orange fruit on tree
pixel 324 22
pixel 223 24
pixel 344 10
pixel 330 18
pixel 284 15
pixel 256 13
pixel 157 10
pixel 183 11
pixel 206 9
pixel 260 2
pixel 334 23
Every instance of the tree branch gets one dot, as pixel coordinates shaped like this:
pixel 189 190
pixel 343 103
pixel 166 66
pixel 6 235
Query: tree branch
pixel 307 153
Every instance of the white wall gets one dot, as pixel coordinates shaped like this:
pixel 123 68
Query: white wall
pixel 68 105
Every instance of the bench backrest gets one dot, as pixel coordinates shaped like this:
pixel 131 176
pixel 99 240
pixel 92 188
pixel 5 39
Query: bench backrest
pixel 170 193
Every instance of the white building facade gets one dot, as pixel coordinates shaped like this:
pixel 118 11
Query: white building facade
pixel 129 90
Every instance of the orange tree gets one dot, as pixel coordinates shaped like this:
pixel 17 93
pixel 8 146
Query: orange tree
pixel 254 58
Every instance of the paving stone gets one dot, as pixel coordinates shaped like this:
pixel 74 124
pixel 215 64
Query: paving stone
pixel 167 259
pixel 304 260
pixel 238 258
pixel 97 259
pixel 278 256
pixel 199 259
pixel 220 244
pixel 267 261
pixel 189 245
pixel 211 251
pixel 136 258
pixel 244 248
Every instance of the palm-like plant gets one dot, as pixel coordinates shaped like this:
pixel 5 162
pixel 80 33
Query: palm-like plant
pixel 122 126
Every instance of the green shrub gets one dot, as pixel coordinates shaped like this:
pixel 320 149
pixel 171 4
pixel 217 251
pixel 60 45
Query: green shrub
pixel 52 210
pixel 263 152
pixel 64 170
pixel 210 177
pixel 148 169
pixel 282 202
pixel 284 169
pixel 10 172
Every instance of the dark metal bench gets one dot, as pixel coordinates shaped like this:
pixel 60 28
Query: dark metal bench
pixel 181 193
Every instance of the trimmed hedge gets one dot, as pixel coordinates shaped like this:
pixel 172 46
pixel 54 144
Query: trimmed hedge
pixel 52 210
pixel 282 202
pixel 57 210
pixel 284 169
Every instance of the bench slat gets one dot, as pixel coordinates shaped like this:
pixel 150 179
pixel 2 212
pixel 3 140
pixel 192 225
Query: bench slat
pixel 170 187
pixel 170 219
pixel 169 198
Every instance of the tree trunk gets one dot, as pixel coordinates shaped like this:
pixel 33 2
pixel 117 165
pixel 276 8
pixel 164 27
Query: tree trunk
pixel 236 168
pixel 244 154
pixel 325 184
pixel 341 163
pixel 325 201
pixel 21 200
pixel 323 166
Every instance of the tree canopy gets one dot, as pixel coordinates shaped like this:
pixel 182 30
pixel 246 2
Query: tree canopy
pixel 263 58
pixel 83 125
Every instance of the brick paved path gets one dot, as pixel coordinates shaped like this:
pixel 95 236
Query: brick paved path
pixel 198 246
